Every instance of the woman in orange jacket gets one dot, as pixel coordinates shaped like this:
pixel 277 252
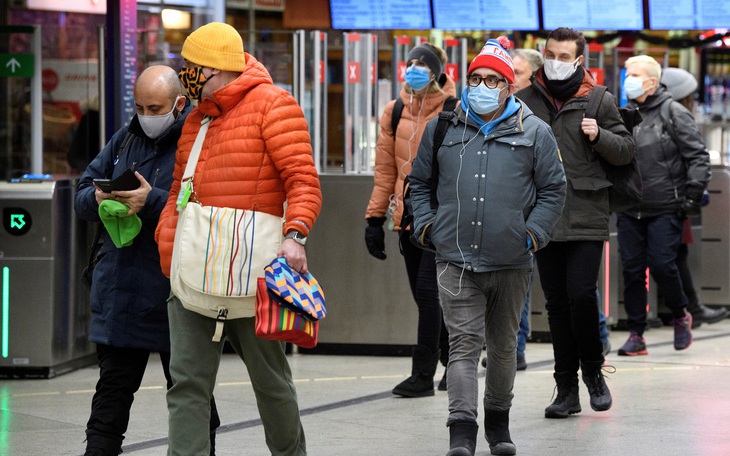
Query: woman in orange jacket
pixel 423 95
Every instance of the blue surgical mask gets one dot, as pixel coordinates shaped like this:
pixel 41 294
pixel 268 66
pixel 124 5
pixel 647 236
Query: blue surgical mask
pixel 417 77
pixel 633 86
pixel 483 100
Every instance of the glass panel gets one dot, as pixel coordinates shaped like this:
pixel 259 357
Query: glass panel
pixel 69 71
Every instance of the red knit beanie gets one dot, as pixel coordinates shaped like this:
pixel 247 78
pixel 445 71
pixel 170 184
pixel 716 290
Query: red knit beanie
pixel 494 55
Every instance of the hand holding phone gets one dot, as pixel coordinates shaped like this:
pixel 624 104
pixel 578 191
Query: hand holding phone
pixel 126 181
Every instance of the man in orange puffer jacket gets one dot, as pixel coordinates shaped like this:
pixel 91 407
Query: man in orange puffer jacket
pixel 257 156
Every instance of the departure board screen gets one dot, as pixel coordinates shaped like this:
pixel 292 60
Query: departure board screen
pixel 688 14
pixel 486 15
pixel 380 14
pixel 593 14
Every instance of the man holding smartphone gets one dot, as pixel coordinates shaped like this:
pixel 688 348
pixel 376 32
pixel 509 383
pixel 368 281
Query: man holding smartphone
pixel 128 291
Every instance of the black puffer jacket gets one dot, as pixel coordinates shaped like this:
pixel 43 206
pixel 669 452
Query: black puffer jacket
pixel 585 215
pixel 670 169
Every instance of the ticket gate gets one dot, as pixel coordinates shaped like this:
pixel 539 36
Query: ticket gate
pixel 45 308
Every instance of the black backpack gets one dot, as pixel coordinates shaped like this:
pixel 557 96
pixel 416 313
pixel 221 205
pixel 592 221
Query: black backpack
pixel 626 191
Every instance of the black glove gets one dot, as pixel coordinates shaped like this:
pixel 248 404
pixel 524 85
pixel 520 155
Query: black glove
pixel 375 237
pixel 692 205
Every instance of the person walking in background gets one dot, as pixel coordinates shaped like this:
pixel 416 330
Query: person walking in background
pixel 526 63
pixel 423 95
pixel 675 170
pixel 257 155
pixel 681 85
pixel 500 188
pixel 569 265
pixel 128 290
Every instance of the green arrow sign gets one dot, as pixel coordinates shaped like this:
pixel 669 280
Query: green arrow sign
pixel 16 65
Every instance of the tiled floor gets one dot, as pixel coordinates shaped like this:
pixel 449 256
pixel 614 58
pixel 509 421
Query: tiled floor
pixel 667 403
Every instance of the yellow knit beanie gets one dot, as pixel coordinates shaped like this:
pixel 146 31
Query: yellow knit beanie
pixel 215 45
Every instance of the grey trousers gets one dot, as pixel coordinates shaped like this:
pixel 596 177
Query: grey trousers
pixel 481 308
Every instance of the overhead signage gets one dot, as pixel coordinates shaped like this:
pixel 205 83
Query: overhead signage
pixel 16 65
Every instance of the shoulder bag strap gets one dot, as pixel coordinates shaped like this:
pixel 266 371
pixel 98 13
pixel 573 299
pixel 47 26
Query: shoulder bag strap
pixel 195 151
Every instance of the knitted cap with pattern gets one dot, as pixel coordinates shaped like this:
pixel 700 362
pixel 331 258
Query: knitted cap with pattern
pixel 494 55
pixel 215 45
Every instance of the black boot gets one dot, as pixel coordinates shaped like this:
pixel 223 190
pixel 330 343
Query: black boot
pixel 420 383
pixel 703 314
pixel 463 438
pixel 567 402
pixel 102 445
pixel 597 388
pixel 496 430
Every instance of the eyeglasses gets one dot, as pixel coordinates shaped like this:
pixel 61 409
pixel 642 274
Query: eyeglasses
pixel 490 81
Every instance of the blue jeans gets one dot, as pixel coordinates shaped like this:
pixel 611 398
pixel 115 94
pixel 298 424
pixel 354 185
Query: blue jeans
pixel 478 308
pixel 650 242
pixel 524 329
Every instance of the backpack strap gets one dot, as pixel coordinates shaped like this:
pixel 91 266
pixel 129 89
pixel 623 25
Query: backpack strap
pixel 666 116
pixel 449 105
pixel 397 111
pixel 438 139
pixel 594 101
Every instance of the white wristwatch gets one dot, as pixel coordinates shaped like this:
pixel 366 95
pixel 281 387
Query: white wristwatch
pixel 297 237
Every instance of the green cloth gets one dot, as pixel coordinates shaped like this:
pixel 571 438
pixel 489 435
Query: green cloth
pixel 121 229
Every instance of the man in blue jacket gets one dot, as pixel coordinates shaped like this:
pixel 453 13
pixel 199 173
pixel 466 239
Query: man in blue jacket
pixel 128 291
pixel 499 191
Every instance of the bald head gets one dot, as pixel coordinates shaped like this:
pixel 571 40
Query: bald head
pixel 156 90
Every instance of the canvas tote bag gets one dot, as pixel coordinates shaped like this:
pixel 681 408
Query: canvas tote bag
pixel 219 252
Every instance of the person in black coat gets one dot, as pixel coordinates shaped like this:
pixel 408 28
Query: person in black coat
pixel 569 264
pixel 675 170
pixel 128 290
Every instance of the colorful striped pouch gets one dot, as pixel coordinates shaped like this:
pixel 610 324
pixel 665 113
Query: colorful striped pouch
pixel 276 322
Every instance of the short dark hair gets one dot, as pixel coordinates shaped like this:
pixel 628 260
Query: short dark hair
pixel 568 34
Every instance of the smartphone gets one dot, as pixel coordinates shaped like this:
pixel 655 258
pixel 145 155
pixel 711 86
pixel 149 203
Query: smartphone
pixel 126 181
pixel 104 184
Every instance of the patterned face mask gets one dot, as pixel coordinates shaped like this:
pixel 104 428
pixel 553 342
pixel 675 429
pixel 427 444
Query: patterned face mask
pixel 193 80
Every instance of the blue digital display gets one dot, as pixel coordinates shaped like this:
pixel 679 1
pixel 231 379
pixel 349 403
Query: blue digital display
pixel 688 14
pixel 593 14
pixel 380 14
pixel 485 15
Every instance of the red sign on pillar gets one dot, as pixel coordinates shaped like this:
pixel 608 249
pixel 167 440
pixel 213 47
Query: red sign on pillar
pixel 452 70
pixel 402 71
pixel 597 74
pixel 373 73
pixel 353 72
pixel 321 71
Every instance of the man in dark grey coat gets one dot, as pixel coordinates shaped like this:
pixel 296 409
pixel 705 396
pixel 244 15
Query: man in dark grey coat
pixel 569 265
pixel 129 292
pixel 500 189
pixel 675 170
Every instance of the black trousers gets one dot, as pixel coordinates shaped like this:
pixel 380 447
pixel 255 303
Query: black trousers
pixel 568 275
pixel 421 270
pixel 120 374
